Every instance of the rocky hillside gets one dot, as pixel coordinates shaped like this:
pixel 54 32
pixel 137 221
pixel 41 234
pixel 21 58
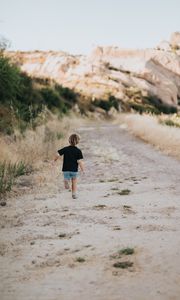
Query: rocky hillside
pixel 113 71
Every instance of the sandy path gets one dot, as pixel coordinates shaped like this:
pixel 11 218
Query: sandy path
pixel 42 235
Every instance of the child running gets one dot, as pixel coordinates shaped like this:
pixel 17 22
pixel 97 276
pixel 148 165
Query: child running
pixel 72 159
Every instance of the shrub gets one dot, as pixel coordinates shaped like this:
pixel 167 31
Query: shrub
pixel 107 104
pixel 23 99
pixel 10 80
pixel 161 107
pixel 66 93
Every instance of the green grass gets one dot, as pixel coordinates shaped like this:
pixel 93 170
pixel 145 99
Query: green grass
pixel 127 206
pixel 123 265
pixel 62 235
pixel 80 259
pixel 100 206
pixel 126 251
pixel 122 252
pixel 124 192
pixel 170 122
pixel 112 179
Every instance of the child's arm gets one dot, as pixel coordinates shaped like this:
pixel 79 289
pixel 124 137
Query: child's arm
pixel 56 158
pixel 81 165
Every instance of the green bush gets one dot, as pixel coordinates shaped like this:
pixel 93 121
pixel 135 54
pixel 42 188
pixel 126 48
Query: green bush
pixel 10 80
pixel 159 105
pixel 66 93
pixel 107 104
pixel 22 99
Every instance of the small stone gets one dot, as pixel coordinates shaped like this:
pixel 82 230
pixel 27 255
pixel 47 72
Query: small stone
pixel 3 203
pixel 33 262
pixel 32 243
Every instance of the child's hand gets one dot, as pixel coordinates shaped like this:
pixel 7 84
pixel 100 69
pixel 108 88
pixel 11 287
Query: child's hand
pixel 82 172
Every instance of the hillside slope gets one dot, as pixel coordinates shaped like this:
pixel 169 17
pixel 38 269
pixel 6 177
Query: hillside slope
pixel 111 71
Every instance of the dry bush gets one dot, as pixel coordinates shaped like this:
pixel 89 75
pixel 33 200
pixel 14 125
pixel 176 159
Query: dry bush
pixel 148 128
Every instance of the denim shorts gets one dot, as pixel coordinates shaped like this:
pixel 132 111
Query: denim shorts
pixel 69 175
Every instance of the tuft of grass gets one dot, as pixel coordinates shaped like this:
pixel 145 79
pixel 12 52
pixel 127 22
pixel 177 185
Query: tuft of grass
pixel 126 206
pixel 9 172
pixel 62 235
pixel 112 179
pixel 116 228
pixel 126 251
pixel 170 122
pixel 124 192
pixel 80 259
pixel 100 206
pixel 123 265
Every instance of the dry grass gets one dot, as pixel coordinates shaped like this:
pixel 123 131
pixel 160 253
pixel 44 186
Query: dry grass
pixel 36 149
pixel 36 146
pixel 149 129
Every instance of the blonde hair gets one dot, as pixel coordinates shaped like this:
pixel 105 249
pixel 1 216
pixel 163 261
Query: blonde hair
pixel 74 139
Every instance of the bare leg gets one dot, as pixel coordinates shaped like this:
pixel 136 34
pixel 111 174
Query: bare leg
pixel 66 184
pixel 74 185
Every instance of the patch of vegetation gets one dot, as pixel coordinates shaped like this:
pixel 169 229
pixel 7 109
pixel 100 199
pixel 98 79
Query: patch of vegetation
pixel 116 228
pixel 112 179
pixel 124 192
pixel 123 265
pixel 114 188
pixel 23 99
pixel 126 251
pixel 59 135
pixel 107 104
pixel 80 259
pixel 149 103
pixel 107 195
pixel 127 206
pixel 62 235
pixel 9 172
pixel 100 206
pixel 170 122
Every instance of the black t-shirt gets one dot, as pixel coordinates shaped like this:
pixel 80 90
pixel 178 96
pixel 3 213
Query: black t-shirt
pixel 71 155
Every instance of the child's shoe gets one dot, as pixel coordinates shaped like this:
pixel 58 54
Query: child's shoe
pixel 74 196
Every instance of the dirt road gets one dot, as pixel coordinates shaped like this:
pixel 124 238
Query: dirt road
pixel 56 248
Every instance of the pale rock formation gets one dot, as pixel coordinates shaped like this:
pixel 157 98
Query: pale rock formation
pixel 175 39
pixel 110 70
pixel 164 45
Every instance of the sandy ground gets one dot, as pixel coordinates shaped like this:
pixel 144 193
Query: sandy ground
pixel 46 235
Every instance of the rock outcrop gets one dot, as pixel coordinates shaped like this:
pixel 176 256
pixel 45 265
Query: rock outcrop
pixel 175 39
pixel 110 70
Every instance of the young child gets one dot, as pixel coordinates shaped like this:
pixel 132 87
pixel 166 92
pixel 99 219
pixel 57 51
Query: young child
pixel 72 159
